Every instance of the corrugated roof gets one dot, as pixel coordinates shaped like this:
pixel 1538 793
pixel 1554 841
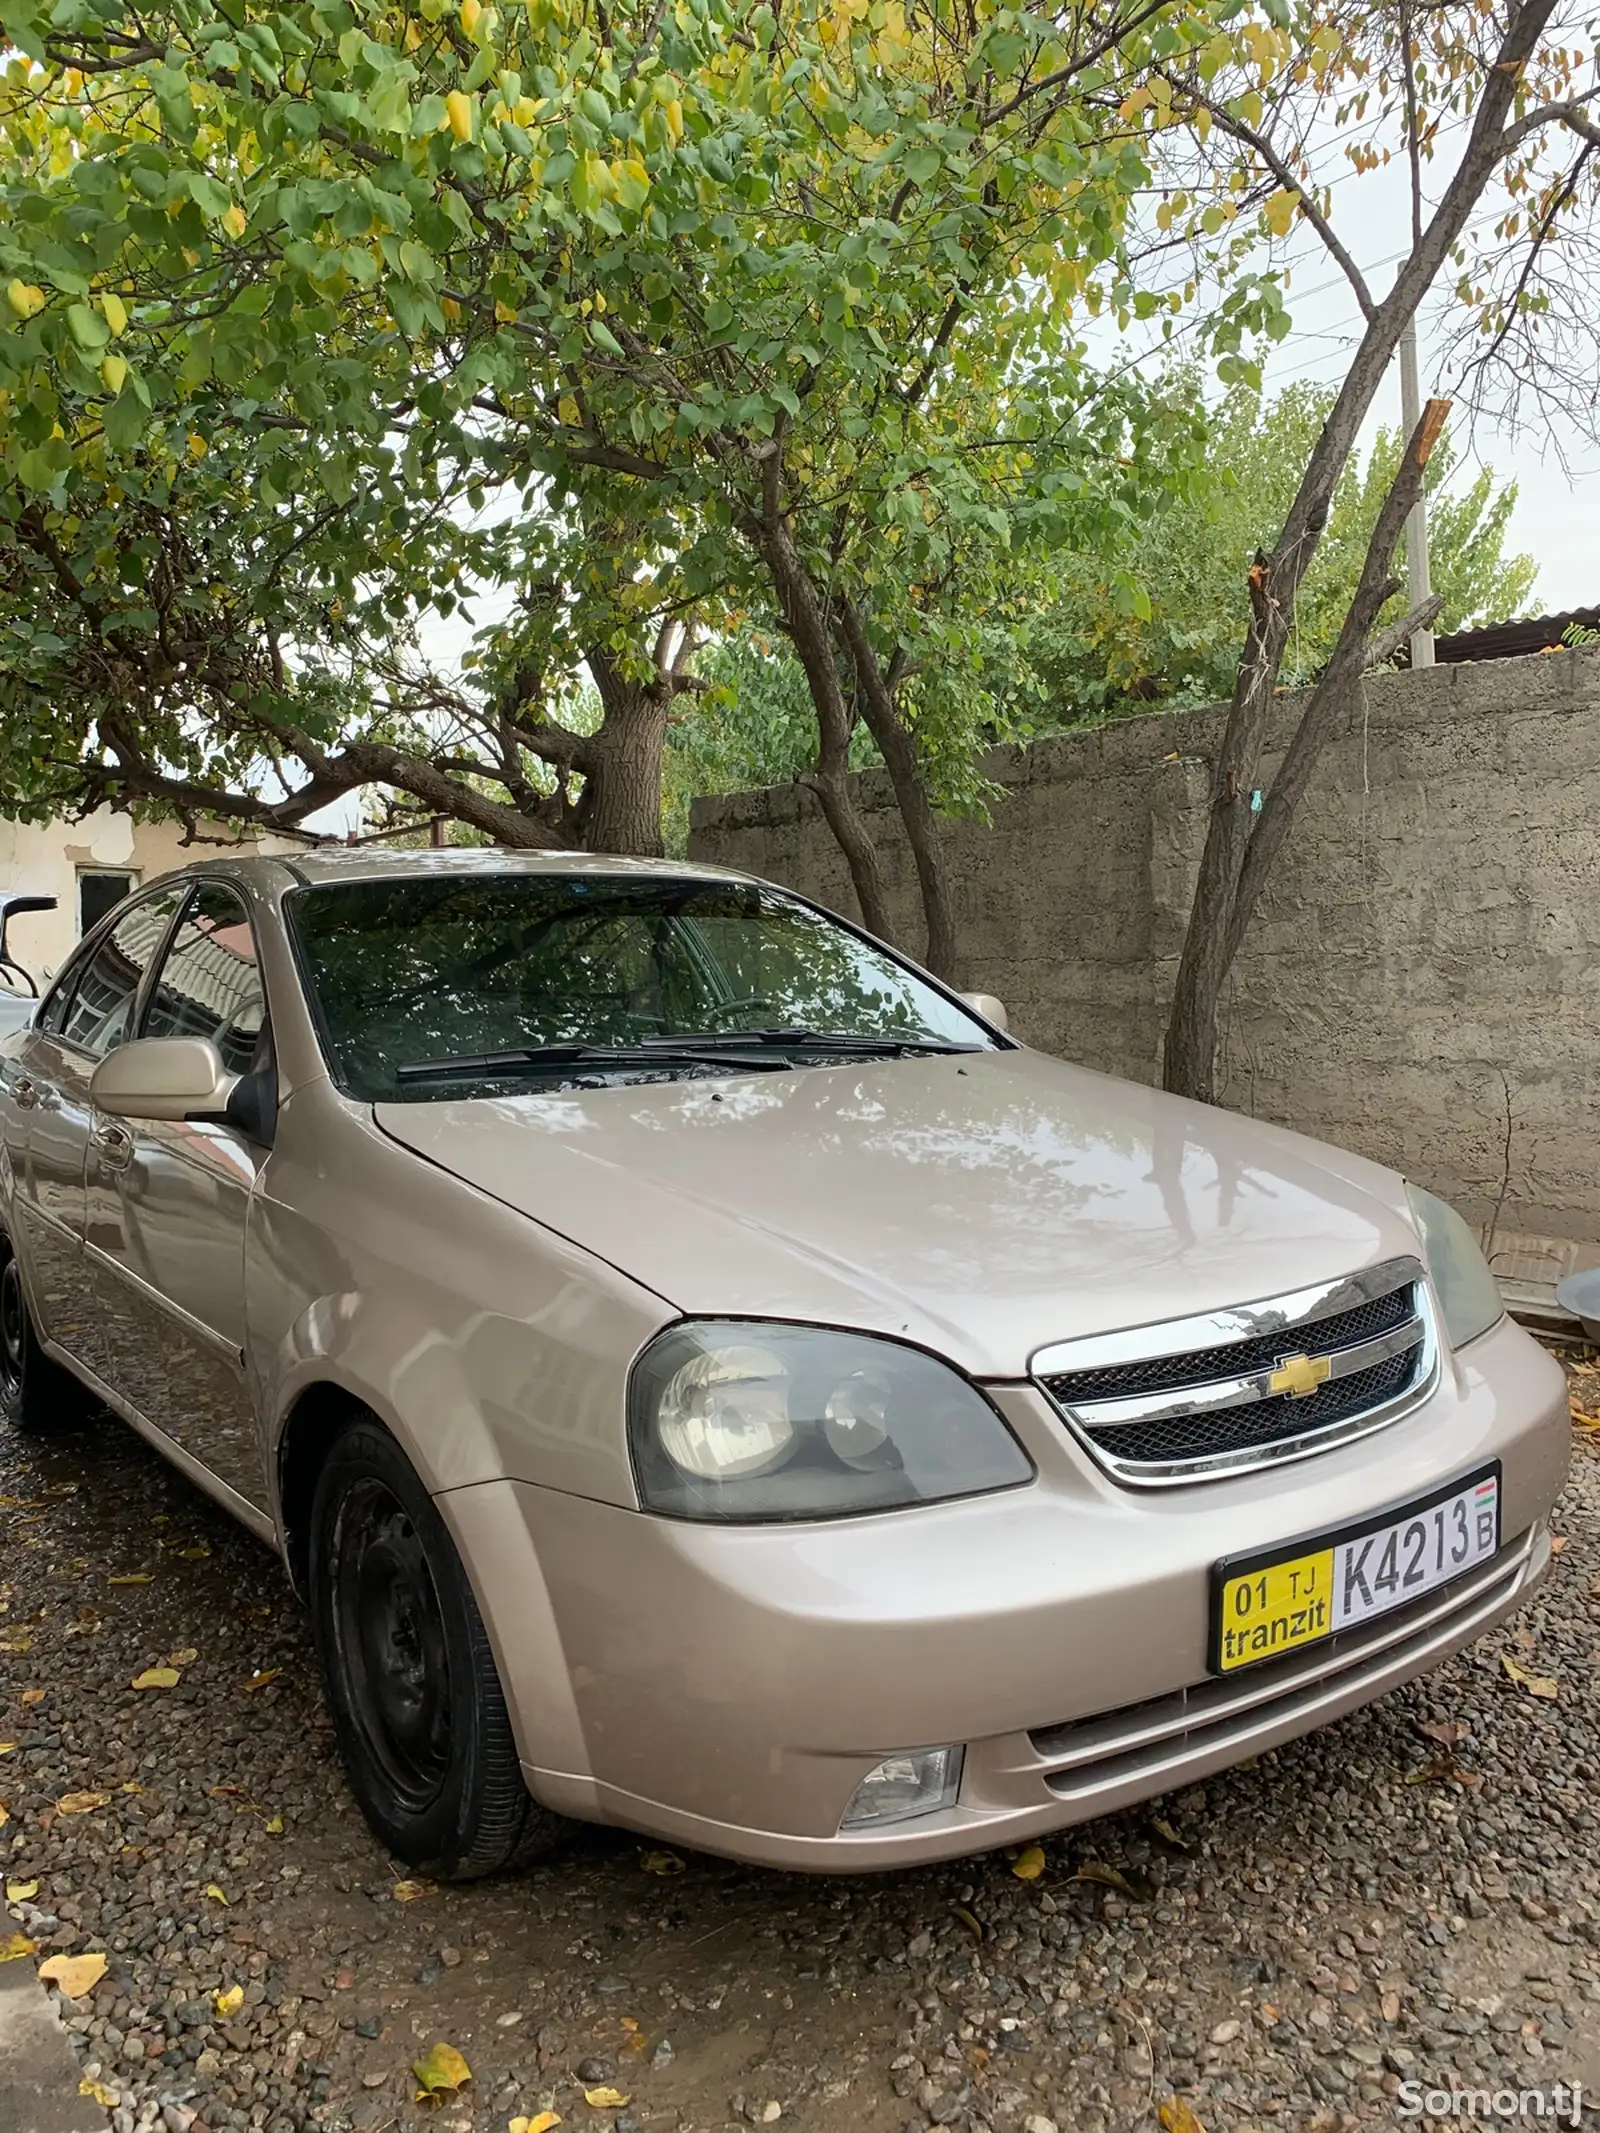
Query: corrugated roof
pixel 1512 640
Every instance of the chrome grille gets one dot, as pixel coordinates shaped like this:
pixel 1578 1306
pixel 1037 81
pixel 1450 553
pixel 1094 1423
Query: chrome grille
pixel 1195 1397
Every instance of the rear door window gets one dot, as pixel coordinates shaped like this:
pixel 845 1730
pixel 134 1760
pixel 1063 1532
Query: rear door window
pixel 210 985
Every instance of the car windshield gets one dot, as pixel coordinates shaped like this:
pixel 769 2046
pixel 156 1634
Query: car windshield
pixel 455 984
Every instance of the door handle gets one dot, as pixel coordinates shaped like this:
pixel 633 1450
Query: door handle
pixel 114 1146
pixel 26 1090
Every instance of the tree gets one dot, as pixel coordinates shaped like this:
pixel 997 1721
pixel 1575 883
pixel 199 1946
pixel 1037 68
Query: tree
pixel 1504 78
pixel 758 262
pixel 1073 648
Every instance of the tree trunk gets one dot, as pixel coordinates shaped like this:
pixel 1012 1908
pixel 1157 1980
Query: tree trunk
pixel 899 751
pixel 1213 936
pixel 621 806
pixel 830 781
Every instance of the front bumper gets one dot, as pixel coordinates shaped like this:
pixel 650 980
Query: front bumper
pixel 729 1688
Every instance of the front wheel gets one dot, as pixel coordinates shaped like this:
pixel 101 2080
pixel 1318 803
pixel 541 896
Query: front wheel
pixel 36 1394
pixel 415 1695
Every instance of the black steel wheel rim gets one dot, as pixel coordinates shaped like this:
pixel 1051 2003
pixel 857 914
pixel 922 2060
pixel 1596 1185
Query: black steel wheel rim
pixel 392 1648
pixel 13 1330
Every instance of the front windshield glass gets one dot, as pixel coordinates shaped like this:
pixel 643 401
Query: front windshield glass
pixel 435 986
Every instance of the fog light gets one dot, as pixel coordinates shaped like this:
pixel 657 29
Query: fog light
pixel 905 1785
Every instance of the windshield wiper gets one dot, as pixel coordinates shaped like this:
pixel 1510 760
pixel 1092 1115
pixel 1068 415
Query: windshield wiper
pixel 809 1040
pixel 535 1058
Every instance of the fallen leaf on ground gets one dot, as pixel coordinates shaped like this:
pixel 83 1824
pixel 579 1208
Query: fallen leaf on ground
pixel 5 1814
pixel 409 1891
pixel 196 1554
pixel 1557 1542
pixel 1109 1877
pixel 1444 1730
pixel 106 2098
pixel 543 2123
pixel 13 1945
pixel 959 1910
pixel 1535 1684
pixel 259 1681
pixel 32 1696
pixel 605 2099
pixel 7 1747
pixel 1440 1766
pixel 1389 2007
pixel 215 1893
pixel 225 2005
pixel 157 1677
pixel 1030 1864
pixel 440 2072
pixel 81 1803
pixel 15 1644
pixel 21 1891
pixel 661 1862
pixel 1178 2117
pixel 134 1577
pixel 186 1657
pixel 275 1826
pixel 1163 1829
pixel 75 1974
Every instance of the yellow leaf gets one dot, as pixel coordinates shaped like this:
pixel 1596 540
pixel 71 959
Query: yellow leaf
pixel 1279 211
pixel 215 1893
pixel 81 1803
pixel 470 13
pixel 32 1696
pixel 1031 1864
pixel 186 1657
pixel 134 1577
pixel 16 1643
pixel 440 2072
pixel 663 1863
pixel 409 1891
pixel 260 1681
pixel 545 2122
pixel 225 2005
pixel 75 1974
pixel 959 1910
pixel 234 220
pixel 7 1747
pixel 116 312
pixel 157 1677
pixel 106 2098
pixel 21 1891
pixel 113 373
pixel 275 1826
pixel 1535 1684
pixel 16 1944
pixel 1177 2117
pixel 25 298
pixel 458 114
pixel 505 313
pixel 197 450
pixel 5 1814
pixel 605 2099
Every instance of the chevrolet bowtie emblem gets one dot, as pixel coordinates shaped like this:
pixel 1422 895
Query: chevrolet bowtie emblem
pixel 1299 1374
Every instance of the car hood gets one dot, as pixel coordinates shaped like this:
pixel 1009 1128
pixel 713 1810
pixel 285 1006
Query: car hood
pixel 983 1206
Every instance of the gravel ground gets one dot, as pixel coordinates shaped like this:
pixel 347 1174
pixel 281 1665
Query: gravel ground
pixel 1412 1894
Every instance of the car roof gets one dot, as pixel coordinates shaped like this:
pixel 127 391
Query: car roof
pixel 332 863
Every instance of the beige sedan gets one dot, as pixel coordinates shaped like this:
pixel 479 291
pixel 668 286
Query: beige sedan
pixel 704 1376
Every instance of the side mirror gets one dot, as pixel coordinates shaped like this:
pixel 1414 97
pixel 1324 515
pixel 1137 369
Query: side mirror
pixel 163 1077
pixel 991 1009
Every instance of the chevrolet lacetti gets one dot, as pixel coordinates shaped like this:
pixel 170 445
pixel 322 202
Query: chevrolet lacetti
pixel 704 1376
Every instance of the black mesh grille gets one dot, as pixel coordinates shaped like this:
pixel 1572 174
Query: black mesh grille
pixel 1266 1422
pixel 1203 1366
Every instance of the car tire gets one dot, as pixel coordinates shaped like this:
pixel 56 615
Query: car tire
pixel 416 1698
pixel 37 1396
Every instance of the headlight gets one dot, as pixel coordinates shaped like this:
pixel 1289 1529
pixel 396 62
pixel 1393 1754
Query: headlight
pixel 754 1422
pixel 1468 1294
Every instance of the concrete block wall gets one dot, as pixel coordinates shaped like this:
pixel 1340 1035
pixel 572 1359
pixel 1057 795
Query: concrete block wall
pixel 1421 982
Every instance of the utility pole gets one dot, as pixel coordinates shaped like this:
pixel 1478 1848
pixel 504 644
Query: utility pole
pixel 1418 583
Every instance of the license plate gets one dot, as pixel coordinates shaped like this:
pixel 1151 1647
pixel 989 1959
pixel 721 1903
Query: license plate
pixel 1283 1598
